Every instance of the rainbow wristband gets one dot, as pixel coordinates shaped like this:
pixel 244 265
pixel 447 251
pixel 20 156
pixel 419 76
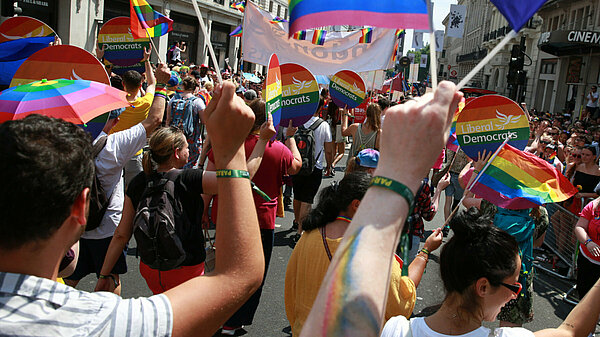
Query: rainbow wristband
pixel 396 187
pixel 160 94
pixel 233 174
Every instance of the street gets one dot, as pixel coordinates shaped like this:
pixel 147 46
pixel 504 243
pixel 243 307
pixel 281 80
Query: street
pixel 270 320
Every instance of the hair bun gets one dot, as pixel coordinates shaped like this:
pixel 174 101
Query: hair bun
pixel 471 225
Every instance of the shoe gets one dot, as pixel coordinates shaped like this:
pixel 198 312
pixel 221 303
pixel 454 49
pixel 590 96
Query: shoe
pixel 229 331
pixel 294 225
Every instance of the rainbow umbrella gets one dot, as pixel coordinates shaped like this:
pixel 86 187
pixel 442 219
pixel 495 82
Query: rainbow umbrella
pixel 76 101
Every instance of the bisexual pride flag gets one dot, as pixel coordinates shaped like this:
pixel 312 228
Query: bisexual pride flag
pixel 518 180
pixel 367 35
pixel 319 37
pixel 306 14
pixel 146 20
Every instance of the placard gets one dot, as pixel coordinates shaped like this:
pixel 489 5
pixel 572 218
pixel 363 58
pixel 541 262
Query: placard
pixel 121 48
pixel 300 97
pixel 487 121
pixel 347 89
pixel 274 90
pixel 20 27
pixel 360 112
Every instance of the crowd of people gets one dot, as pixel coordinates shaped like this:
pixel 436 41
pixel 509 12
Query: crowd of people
pixel 191 151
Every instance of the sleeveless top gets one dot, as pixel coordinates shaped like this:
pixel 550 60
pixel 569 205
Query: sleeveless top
pixel 362 141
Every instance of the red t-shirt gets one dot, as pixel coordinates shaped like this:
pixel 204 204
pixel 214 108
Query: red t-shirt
pixel 269 178
pixel 593 230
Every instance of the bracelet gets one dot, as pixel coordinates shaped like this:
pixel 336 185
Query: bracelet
pixel 160 94
pixel 423 256
pixel 100 276
pixel 424 250
pixel 233 174
pixel 161 91
pixel 395 186
pixel 587 241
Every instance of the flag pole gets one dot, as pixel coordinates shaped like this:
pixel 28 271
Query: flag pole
pixel 487 59
pixel 207 40
pixel 432 51
pixel 475 181
pixel 153 46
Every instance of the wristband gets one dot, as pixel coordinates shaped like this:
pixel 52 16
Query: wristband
pixel 160 94
pixel 396 187
pixel 111 277
pixel 161 91
pixel 587 241
pixel 233 174
pixel 424 250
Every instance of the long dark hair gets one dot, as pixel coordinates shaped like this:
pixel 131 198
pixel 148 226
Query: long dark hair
pixel 477 249
pixel 336 198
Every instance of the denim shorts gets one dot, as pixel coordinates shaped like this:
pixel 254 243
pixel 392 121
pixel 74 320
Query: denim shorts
pixel 454 189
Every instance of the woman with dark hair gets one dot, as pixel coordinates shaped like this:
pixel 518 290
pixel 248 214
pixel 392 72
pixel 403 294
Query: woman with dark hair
pixel 324 229
pixel 479 267
pixel 168 151
pixel 335 149
pixel 365 135
pixel 585 178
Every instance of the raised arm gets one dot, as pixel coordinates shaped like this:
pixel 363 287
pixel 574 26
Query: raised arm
pixel 201 305
pixel 348 130
pixel 157 109
pixel 290 142
pixel 351 301
pixel 150 78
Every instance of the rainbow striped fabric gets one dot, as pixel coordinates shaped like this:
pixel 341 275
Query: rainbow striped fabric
pixel 520 180
pixel 237 32
pixel 146 22
pixel 367 35
pixel 300 35
pixel 306 14
pixel 400 33
pixel 278 20
pixel 319 37
pixel 239 5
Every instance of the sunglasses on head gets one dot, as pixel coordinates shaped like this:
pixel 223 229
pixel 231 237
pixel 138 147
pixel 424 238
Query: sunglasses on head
pixel 515 288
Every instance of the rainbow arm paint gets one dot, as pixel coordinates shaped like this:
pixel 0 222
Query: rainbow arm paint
pixel 352 298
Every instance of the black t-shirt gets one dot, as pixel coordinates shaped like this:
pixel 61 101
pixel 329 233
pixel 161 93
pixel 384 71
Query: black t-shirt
pixel 188 189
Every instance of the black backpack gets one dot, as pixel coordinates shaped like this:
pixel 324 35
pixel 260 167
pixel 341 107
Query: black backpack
pixel 158 219
pixel 98 199
pixel 305 141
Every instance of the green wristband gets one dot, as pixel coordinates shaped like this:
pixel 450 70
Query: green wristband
pixel 233 174
pixel 395 186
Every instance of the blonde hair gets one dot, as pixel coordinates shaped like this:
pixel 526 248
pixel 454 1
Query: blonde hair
pixel 162 146
pixel 209 86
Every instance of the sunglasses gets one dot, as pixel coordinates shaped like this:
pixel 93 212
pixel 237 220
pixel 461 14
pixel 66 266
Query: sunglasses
pixel 576 155
pixel 515 288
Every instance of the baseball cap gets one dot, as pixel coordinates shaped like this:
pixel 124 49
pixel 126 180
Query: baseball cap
pixel 368 158
pixel 250 95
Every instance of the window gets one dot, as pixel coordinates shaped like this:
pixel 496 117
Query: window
pixel 548 66
pixel 278 10
pixel 286 14
pixel 270 6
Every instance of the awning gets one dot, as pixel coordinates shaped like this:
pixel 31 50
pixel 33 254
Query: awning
pixel 570 42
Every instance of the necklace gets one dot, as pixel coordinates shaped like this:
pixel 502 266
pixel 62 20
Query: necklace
pixel 344 218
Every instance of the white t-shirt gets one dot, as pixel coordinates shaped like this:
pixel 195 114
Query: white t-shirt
pixel 399 327
pixel 176 54
pixel 589 98
pixel 120 147
pixel 322 136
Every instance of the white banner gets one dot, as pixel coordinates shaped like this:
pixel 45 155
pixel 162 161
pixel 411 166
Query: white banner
pixel 373 79
pixel 417 42
pixel 414 73
pixel 456 21
pixel 439 40
pixel 424 60
pixel 341 51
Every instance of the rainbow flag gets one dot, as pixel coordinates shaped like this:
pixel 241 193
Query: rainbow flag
pixel 395 53
pixel 520 180
pixel 146 22
pixel 237 32
pixel 400 33
pixel 452 143
pixel 278 20
pixel 319 37
pixel 239 5
pixel 367 35
pixel 300 35
pixel 306 14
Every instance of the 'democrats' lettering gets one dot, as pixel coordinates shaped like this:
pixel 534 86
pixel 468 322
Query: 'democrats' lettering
pixel 496 137
pixel 343 91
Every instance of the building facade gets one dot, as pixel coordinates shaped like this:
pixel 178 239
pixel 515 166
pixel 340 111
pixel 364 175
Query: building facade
pixel 569 62
pixel 78 22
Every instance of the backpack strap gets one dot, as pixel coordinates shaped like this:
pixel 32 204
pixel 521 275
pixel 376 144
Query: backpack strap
pixel 99 145
pixel 316 124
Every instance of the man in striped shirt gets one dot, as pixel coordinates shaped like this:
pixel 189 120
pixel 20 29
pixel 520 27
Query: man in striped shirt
pixel 46 170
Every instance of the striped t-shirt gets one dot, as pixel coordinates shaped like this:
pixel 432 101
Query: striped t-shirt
pixel 34 306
